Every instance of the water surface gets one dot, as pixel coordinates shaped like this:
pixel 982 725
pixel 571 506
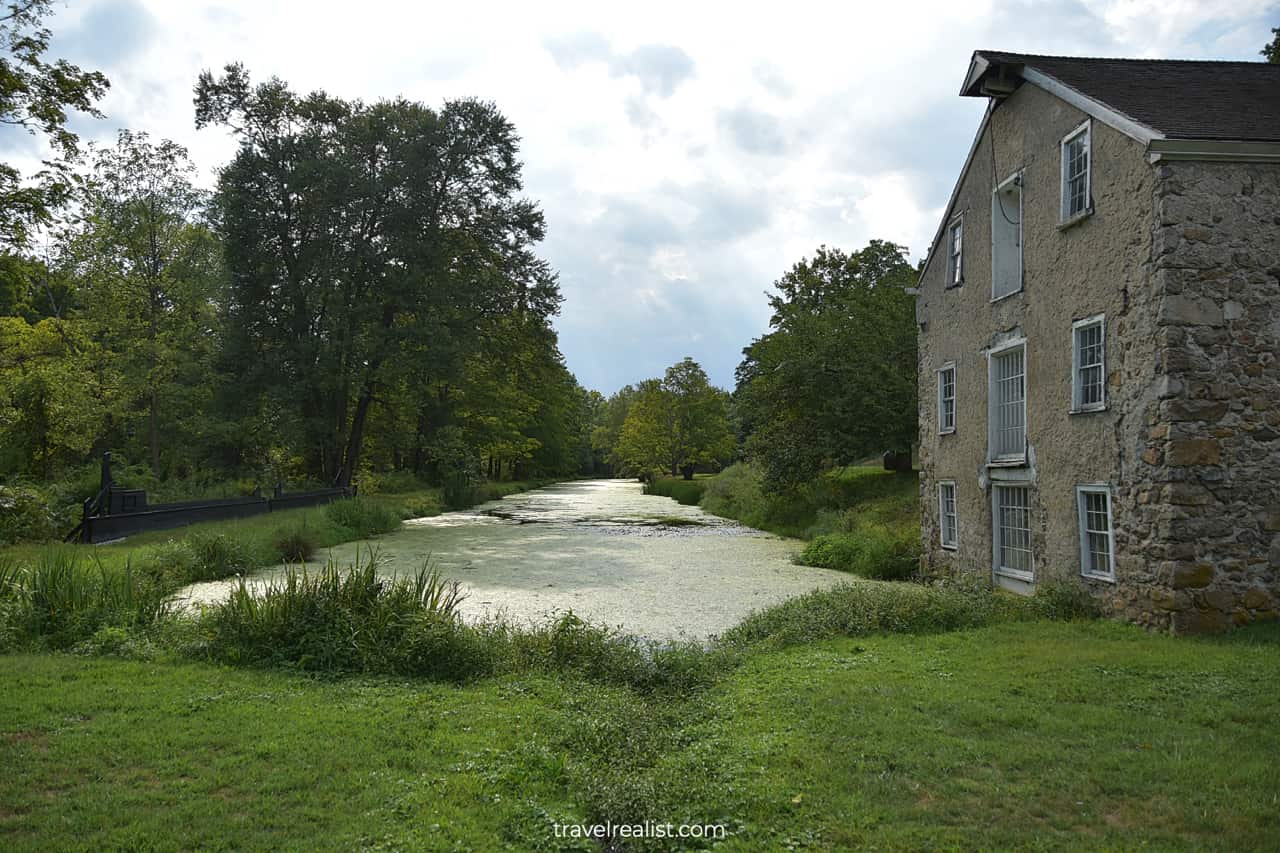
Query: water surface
pixel 600 548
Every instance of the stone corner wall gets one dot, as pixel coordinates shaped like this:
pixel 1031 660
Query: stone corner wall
pixel 1207 478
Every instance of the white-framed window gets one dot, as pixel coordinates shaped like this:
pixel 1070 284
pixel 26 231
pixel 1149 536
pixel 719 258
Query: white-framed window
pixel 1011 531
pixel 1077 156
pixel 947 398
pixel 1007 403
pixel 948 523
pixel 1097 536
pixel 1006 237
pixel 1089 364
pixel 955 252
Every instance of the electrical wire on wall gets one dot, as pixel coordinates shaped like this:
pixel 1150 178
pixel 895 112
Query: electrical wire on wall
pixel 995 177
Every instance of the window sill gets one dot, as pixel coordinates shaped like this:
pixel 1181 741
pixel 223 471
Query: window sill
pixel 949 548
pixel 1103 578
pixel 1025 577
pixel 1076 220
pixel 1019 462
pixel 996 299
pixel 1088 410
pixel 951 431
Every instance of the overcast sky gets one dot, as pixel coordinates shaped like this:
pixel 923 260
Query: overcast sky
pixel 685 154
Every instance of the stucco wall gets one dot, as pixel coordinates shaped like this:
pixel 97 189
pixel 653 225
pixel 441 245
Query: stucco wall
pixel 1100 265
pixel 1210 502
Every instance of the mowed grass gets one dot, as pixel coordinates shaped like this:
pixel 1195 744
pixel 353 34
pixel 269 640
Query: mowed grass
pixel 1027 734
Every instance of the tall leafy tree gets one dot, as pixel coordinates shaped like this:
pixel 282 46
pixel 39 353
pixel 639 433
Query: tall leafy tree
pixel 1272 51
pixel 834 380
pixel 35 94
pixel 148 268
pixel 357 234
pixel 675 423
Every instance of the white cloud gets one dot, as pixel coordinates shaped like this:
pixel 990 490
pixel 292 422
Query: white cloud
pixel 686 154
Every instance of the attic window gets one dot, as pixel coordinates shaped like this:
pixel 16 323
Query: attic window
pixel 1076 156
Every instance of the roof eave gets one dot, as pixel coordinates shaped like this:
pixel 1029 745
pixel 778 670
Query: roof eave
pixel 1091 106
pixel 978 65
pixel 1213 150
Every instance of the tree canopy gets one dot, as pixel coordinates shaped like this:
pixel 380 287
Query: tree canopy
pixel 35 94
pixel 834 380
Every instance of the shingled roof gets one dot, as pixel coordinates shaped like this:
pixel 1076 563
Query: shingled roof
pixel 1176 99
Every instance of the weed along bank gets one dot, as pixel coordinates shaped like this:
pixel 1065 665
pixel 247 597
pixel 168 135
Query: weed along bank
pixel 1099 395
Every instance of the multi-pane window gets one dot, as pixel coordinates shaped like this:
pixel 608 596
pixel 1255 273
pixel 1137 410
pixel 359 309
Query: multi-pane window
pixel 1011 520
pixel 947 524
pixel 1075 172
pixel 955 253
pixel 1097 544
pixel 1007 396
pixel 1089 360
pixel 947 399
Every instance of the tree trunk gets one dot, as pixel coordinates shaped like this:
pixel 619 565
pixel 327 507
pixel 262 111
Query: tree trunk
pixel 356 441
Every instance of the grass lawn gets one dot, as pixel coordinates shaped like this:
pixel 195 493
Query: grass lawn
pixel 257 532
pixel 1031 734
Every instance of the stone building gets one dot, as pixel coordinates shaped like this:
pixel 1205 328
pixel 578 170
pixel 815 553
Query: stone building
pixel 1099 325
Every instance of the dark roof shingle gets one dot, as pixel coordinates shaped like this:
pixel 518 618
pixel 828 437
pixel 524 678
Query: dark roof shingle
pixel 1181 99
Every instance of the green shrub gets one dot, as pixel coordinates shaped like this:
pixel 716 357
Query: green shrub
pixel 873 552
pixel 1065 601
pixel 360 518
pixel 330 620
pixel 294 544
pixel 216 556
pixel 390 483
pixel 172 563
pixel 26 515
pixel 62 599
pixel 687 492
pixel 859 608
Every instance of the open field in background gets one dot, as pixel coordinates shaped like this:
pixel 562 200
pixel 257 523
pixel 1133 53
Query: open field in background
pixel 1032 734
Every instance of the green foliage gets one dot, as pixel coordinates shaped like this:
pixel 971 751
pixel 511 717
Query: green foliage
pixel 63 599
pixel 360 518
pixel 1272 51
pixel 25 515
pixel 834 381
pixel 217 555
pixel 147 269
pixel 873 552
pixel 400 252
pixel 35 95
pixel 678 422
pixel 295 544
pixel 336 620
pixel 687 492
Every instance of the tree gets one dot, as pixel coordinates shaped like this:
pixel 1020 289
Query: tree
pixel 52 400
pixel 835 379
pixel 1272 51
pixel 675 424
pixel 360 235
pixel 35 95
pixel 148 267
